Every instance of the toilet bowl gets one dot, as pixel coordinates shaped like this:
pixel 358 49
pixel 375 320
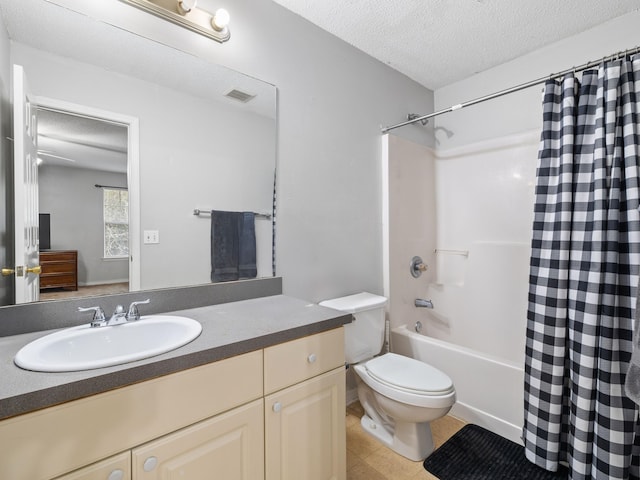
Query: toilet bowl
pixel 400 395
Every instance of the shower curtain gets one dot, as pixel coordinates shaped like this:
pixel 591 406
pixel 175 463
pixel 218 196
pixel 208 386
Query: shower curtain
pixel 584 275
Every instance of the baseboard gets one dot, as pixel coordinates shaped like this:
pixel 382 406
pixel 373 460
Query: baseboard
pixel 104 282
pixel 494 424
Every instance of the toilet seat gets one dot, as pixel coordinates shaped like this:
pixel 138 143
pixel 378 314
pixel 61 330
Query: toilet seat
pixel 409 375
pixel 407 380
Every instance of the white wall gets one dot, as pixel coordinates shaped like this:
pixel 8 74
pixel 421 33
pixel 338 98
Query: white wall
pixel 332 102
pixel 186 149
pixel 75 205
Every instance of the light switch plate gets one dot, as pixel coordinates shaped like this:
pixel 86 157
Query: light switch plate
pixel 151 236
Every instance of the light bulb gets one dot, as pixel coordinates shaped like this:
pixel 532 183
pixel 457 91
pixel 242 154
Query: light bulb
pixel 220 20
pixel 187 5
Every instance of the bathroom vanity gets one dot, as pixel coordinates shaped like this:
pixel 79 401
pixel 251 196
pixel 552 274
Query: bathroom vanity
pixel 259 395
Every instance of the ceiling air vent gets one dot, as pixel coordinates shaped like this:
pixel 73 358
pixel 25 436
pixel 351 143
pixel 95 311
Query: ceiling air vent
pixel 239 95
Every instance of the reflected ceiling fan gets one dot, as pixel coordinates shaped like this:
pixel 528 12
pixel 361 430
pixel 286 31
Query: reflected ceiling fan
pixel 51 154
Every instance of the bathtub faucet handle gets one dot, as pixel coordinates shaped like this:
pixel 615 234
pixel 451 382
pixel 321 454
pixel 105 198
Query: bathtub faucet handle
pixel 423 303
pixel 417 266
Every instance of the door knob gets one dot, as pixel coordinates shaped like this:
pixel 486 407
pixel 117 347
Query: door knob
pixel 7 271
pixel 36 270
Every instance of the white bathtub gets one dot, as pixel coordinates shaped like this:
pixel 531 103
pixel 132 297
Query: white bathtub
pixel 490 391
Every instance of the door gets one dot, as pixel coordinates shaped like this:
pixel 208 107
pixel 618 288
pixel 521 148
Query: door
pixel 25 160
pixel 305 430
pixel 229 446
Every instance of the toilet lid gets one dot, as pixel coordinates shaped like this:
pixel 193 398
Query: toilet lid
pixel 409 374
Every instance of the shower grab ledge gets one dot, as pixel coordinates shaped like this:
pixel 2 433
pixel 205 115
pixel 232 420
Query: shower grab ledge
pixel 463 253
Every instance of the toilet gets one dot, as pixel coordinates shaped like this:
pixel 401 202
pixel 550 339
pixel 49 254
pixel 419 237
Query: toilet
pixel 400 395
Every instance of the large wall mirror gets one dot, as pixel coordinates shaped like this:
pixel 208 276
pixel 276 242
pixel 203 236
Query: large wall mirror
pixel 205 139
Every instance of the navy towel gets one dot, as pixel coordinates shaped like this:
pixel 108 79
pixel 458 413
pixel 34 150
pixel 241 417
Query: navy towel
pixel 247 248
pixel 233 246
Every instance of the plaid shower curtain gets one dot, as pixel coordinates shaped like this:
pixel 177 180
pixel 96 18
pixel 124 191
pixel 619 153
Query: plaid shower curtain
pixel 583 278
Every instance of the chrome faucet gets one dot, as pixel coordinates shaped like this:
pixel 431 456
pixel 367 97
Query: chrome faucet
pixel 118 317
pixel 99 319
pixel 423 303
pixel 133 313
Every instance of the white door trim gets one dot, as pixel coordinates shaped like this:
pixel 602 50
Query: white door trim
pixel 133 170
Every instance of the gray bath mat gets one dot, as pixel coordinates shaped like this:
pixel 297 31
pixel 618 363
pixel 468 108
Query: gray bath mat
pixel 478 454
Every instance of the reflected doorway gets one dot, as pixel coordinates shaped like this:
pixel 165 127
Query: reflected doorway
pixel 83 189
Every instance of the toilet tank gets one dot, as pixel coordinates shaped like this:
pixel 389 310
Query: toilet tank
pixel 364 337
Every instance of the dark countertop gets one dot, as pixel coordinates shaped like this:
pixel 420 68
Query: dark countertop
pixel 228 329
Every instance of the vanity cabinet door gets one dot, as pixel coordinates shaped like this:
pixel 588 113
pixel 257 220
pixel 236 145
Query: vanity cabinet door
pixel 228 446
pixel 117 467
pixel 305 430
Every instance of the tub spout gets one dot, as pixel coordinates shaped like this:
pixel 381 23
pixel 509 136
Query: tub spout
pixel 423 303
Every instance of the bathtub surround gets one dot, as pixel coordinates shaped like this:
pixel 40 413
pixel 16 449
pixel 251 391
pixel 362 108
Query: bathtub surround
pixel 448 207
pixel 584 275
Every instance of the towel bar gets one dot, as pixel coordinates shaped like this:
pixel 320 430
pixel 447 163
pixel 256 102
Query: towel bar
pixel 198 212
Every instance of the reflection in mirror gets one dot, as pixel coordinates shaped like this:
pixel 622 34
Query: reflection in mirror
pixel 199 145
pixel 83 197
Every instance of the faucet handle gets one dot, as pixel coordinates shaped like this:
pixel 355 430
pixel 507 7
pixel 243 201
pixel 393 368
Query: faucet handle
pixel 133 313
pixel 98 313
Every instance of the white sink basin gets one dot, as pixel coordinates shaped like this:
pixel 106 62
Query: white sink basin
pixel 84 347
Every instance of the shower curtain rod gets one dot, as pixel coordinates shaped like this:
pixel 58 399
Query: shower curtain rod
pixel 522 86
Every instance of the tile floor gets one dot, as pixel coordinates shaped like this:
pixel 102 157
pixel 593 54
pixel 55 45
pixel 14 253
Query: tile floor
pixel 367 459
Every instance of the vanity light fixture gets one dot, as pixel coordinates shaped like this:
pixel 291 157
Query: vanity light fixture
pixel 220 20
pixel 186 14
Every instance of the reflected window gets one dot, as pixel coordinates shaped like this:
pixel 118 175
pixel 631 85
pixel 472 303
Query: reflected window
pixel 116 222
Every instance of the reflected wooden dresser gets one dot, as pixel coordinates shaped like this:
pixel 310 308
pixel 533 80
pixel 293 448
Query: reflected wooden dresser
pixel 59 269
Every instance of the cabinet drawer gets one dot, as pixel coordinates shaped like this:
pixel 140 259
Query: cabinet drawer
pixel 57 256
pixel 58 267
pixel 297 360
pixel 61 280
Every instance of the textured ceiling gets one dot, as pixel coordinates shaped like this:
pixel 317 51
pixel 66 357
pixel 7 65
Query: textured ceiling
pixel 73 141
pixel 438 42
